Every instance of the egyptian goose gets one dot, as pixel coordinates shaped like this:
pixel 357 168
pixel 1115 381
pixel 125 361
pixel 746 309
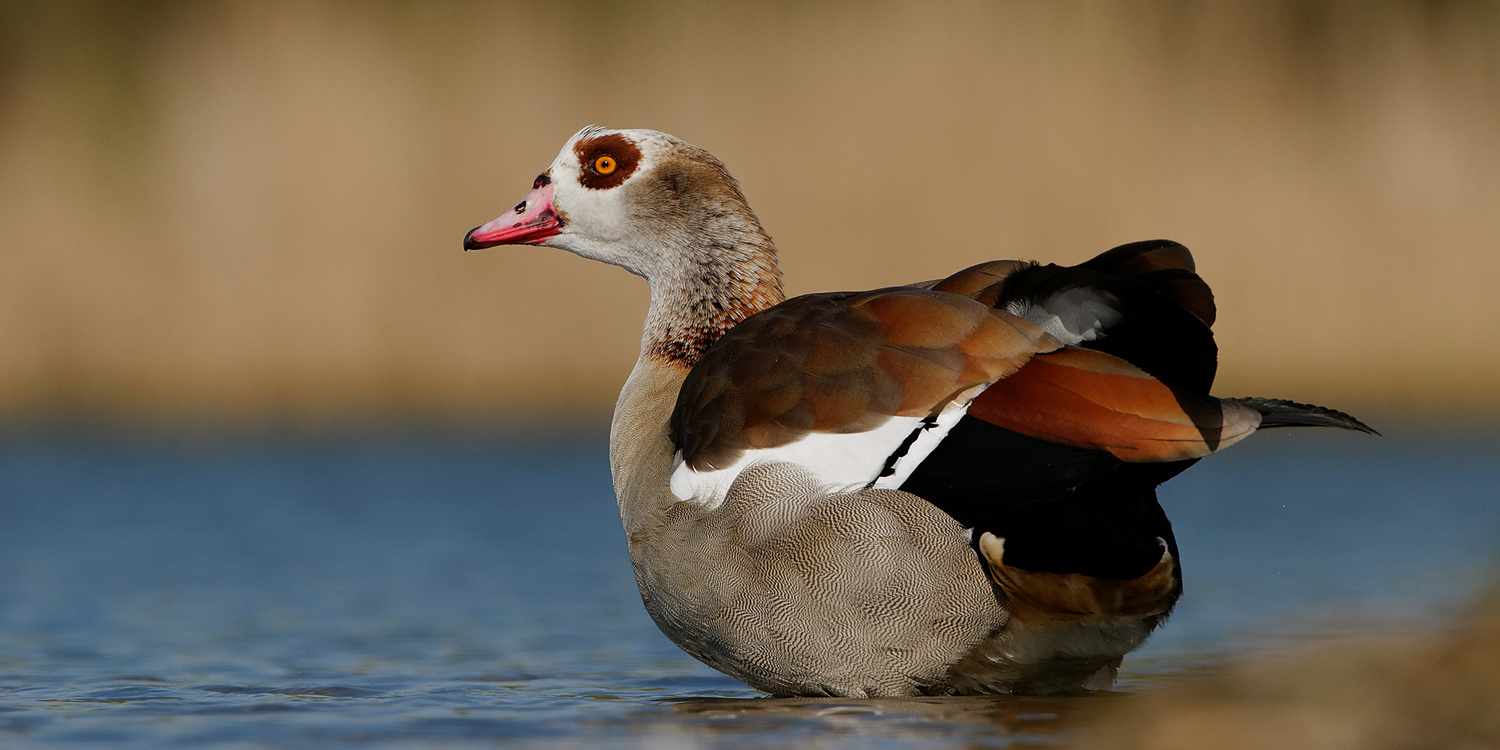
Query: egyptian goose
pixel 941 488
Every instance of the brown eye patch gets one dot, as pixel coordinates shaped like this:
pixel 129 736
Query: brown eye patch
pixel 607 161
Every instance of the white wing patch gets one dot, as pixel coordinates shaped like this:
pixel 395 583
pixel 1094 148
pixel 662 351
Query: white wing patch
pixel 1072 316
pixel 927 440
pixel 838 460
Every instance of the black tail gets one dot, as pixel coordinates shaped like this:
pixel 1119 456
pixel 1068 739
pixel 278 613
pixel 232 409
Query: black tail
pixel 1276 412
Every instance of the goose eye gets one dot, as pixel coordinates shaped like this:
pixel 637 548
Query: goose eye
pixel 605 164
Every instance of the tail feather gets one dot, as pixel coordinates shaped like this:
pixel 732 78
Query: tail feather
pixel 1277 412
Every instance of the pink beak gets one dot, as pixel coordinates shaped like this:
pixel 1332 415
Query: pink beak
pixel 531 222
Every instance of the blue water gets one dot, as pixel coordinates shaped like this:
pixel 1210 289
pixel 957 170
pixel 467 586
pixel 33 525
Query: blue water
pixel 422 588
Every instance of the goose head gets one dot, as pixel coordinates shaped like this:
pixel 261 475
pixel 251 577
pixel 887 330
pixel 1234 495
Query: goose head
pixel 639 199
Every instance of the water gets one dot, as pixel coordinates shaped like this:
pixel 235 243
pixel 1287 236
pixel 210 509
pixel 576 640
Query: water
pixel 410 588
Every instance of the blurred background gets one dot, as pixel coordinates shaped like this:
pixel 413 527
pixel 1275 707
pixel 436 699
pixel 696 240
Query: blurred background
pixel 270 470
pixel 231 212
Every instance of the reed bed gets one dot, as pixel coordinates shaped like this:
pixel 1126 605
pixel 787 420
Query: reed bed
pixel 253 210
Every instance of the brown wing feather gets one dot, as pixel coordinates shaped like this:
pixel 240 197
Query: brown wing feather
pixel 843 363
pixel 983 282
pixel 1090 399
pixel 1165 265
pixel 1039 599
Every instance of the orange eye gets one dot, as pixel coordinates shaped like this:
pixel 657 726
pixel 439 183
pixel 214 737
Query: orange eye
pixel 605 164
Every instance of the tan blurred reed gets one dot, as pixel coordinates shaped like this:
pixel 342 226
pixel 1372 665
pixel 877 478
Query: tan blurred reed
pixel 237 209
pixel 1390 692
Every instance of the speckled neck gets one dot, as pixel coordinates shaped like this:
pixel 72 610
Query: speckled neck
pixel 692 310
pixel 720 265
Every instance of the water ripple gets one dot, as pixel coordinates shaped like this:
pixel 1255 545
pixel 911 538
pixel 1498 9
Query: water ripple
pixel 412 592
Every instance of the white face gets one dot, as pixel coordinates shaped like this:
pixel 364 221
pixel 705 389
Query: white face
pixel 638 199
pixel 593 179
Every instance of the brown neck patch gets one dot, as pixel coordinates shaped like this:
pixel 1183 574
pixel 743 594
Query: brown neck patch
pixel 688 346
pixel 606 161
pixel 685 343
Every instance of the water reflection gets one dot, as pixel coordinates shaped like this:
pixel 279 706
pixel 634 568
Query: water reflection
pixel 977 719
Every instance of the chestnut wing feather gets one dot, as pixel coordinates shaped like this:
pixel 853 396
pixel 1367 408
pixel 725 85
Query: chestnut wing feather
pixel 1089 399
pixel 846 362
pixel 843 362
